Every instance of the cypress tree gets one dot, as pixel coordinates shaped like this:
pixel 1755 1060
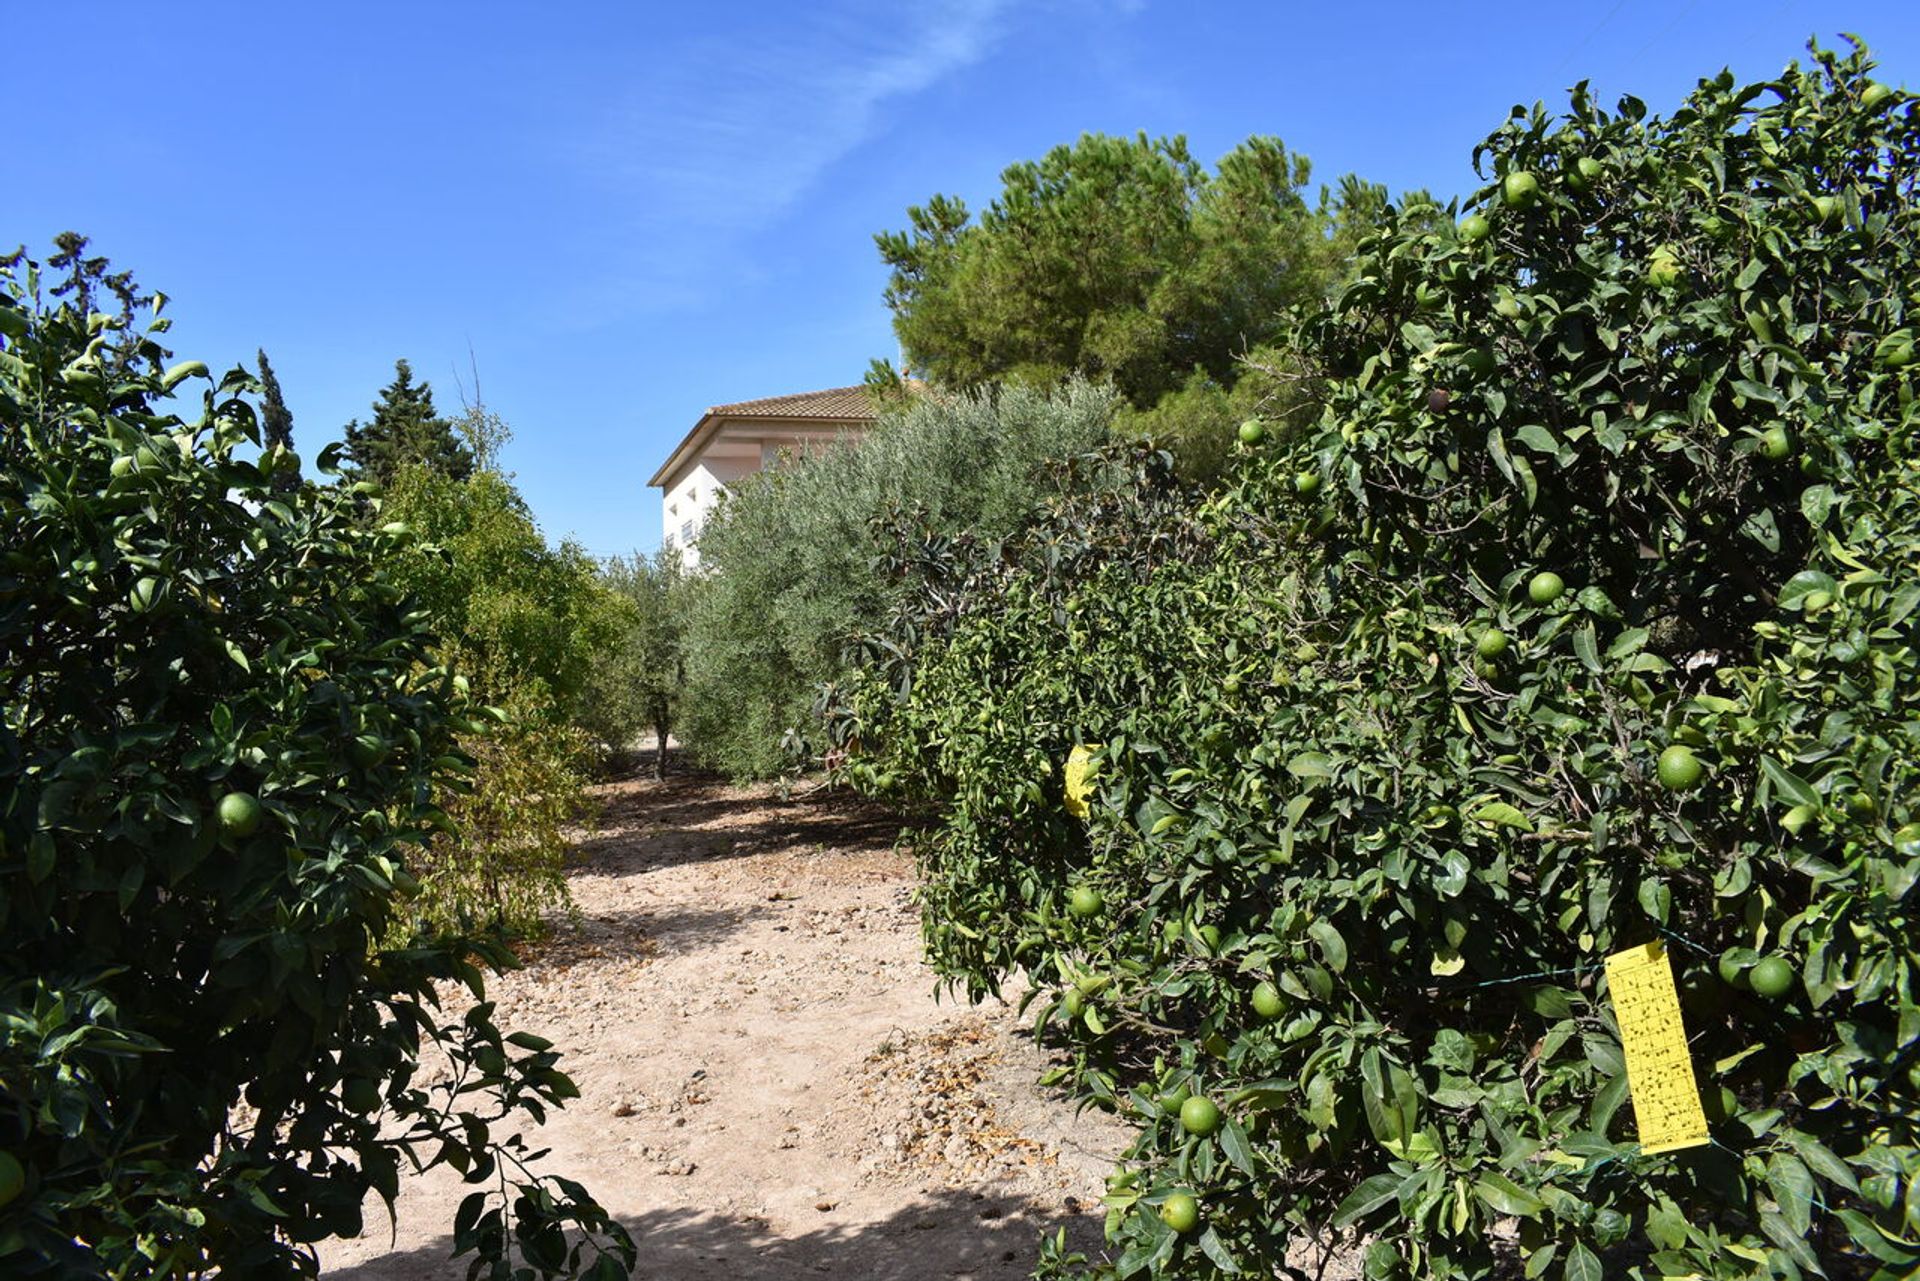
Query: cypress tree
pixel 277 420
pixel 405 429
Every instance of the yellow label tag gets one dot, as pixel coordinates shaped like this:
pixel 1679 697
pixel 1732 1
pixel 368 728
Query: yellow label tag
pixel 1078 786
pixel 1666 1099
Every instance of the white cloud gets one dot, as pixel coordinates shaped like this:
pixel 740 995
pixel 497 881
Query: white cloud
pixel 725 135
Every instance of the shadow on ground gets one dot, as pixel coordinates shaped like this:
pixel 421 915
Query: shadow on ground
pixel 639 932
pixel 949 1234
pixel 647 823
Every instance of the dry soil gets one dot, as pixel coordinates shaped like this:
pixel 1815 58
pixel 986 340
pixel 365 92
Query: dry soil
pixel 769 1088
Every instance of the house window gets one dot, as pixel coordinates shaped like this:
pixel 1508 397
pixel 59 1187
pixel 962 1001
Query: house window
pixel 673 509
pixel 666 542
pixel 686 532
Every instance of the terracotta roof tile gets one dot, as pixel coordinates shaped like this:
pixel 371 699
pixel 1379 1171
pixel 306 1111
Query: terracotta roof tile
pixel 835 402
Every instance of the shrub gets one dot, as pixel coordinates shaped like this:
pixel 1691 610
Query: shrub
pixel 199 1028
pixel 787 559
pixel 528 622
pixel 1370 809
pixel 524 617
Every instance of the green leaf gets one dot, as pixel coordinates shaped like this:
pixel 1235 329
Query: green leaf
pixel 1332 947
pixel 1871 1238
pixel 1233 1142
pixel 1504 1196
pixel 1804 584
pixel 1821 1159
pixel 1501 814
pixel 1792 1187
pixel 1597 603
pixel 1214 1248
pixel 1787 783
pixel 1667 1226
pixel 1311 765
pixel 1607 1102
pixel 1581 1264
pixel 1370 1195
pixel 1586 648
pixel 1538 438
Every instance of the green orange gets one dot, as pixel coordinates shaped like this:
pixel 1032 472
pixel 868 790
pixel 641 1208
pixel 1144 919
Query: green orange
pixel 1200 1116
pixel 1583 173
pixel 1679 769
pixel 1771 977
pixel 1180 1212
pixel 239 814
pixel 1084 901
pixel 1520 189
pixel 360 1095
pixel 1545 587
pixel 1663 270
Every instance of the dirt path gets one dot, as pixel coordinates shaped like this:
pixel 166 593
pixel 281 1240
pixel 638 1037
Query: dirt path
pixel 769 1089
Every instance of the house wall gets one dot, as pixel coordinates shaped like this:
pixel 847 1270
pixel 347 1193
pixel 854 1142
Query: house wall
pixel 688 504
pixel 737 449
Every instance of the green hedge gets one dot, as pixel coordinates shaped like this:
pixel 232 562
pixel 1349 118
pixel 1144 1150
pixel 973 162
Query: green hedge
pixel 1374 799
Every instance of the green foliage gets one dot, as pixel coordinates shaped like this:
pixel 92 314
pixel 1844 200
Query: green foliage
pixel 1197 422
pixel 527 621
pixel 208 1058
pixel 502 860
pixel 786 560
pixel 1116 258
pixel 1316 771
pixel 636 680
pixel 405 431
pixel 521 615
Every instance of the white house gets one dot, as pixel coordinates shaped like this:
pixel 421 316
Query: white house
pixel 731 441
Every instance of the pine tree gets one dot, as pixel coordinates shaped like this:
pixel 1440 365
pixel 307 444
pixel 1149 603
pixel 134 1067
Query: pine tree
pixel 278 422
pixel 405 429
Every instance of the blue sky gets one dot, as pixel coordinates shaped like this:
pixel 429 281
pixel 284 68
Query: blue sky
pixel 632 211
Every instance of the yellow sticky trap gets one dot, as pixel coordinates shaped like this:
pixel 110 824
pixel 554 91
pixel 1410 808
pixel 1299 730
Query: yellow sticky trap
pixel 1078 787
pixel 1666 1099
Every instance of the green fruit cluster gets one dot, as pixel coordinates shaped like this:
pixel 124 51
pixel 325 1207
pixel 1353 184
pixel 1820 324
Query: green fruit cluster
pixel 1356 928
pixel 198 903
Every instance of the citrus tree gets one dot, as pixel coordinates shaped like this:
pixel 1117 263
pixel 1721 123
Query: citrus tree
pixel 209 1058
pixel 1583 619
